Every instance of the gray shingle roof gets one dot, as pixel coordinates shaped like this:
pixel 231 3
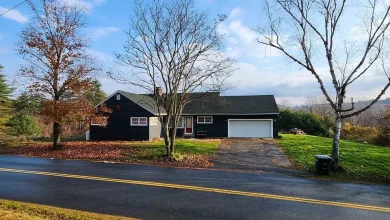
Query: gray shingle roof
pixel 214 104
pixel 233 105
pixel 145 101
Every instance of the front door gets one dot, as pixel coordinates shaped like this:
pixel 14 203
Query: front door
pixel 188 125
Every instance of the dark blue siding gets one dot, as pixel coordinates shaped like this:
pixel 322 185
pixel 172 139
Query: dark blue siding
pixel 118 126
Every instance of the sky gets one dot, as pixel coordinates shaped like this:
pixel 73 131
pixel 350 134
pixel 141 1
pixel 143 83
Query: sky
pixel 259 70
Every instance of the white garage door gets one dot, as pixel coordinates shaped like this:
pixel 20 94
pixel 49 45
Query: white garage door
pixel 250 128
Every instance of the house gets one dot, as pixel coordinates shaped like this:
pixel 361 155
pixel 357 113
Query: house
pixel 134 117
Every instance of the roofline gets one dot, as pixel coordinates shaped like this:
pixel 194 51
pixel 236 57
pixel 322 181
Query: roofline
pixel 231 114
pixel 162 114
pixel 110 96
pixel 120 92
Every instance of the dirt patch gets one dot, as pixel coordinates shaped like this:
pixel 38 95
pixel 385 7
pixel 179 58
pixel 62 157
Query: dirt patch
pixel 251 154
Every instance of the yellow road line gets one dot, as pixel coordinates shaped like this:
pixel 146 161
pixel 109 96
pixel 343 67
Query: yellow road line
pixel 205 189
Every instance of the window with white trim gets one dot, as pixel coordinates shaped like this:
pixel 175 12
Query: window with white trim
pixel 205 119
pixel 180 123
pixel 95 121
pixel 118 96
pixel 139 121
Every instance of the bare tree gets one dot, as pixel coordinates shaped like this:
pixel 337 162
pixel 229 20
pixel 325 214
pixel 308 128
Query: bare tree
pixel 285 104
pixel 309 31
pixel 318 105
pixel 172 46
pixel 58 67
pixel 310 103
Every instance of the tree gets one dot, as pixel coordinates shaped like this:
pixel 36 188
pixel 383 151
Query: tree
pixel 27 104
pixel 58 69
pixel 174 49
pixel 95 94
pixel 318 105
pixel 310 123
pixel 309 33
pixel 5 101
pixel 284 104
pixel 22 124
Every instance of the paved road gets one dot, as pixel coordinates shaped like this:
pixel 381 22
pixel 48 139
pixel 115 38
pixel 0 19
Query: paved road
pixel 143 192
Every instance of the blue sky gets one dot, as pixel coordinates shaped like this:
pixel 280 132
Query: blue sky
pixel 260 71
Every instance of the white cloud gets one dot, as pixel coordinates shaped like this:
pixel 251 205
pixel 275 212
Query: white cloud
pixel 270 75
pixel 275 78
pixel 87 4
pixel 103 31
pixel 100 56
pixel 242 41
pixel 14 14
pixel 234 12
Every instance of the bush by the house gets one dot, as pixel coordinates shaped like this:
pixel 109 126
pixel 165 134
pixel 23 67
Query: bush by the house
pixel 21 124
pixel 359 133
pixel 310 123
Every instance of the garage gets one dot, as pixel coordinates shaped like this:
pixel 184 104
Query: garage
pixel 250 128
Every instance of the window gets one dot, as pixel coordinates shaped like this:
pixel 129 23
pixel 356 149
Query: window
pixel 139 121
pixel 180 123
pixel 97 120
pixel 205 119
pixel 118 96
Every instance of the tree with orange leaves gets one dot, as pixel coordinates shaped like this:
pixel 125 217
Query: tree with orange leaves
pixel 58 66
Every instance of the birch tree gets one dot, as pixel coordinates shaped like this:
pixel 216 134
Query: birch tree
pixel 311 33
pixel 172 46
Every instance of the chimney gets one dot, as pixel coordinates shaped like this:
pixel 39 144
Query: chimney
pixel 158 91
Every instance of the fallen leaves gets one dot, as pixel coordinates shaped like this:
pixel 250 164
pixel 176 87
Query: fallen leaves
pixel 107 151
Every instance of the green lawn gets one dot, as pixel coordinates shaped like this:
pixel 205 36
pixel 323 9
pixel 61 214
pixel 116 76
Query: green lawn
pixel 189 152
pixel 10 210
pixel 364 162
pixel 182 147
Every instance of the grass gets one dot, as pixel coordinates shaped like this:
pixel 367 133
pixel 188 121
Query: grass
pixel 190 153
pixel 10 210
pixel 80 137
pixel 362 162
pixel 182 147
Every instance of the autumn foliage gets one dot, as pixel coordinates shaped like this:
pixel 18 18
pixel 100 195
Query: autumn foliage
pixel 110 151
pixel 58 67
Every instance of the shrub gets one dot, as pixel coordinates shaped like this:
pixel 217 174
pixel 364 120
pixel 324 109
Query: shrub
pixel 359 133
pixel 310 123
pixel 22 124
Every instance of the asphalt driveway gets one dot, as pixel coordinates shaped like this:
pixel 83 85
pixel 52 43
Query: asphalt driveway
pixel 252 154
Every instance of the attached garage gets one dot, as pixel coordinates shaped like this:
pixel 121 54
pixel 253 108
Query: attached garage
pixel 250 128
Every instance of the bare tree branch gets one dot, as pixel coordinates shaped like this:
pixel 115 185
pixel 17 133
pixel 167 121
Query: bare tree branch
pixel 173 46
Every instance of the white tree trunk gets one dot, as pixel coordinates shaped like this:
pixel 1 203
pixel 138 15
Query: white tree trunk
pixel 336 142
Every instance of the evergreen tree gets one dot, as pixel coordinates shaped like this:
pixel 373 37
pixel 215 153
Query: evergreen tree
pixel 5 100
pixel 22 124
pixel 95 94
pixel 5 90
pixel 27 104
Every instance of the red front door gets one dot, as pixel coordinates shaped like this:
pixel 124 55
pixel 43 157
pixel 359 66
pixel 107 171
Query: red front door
pixel 189 125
